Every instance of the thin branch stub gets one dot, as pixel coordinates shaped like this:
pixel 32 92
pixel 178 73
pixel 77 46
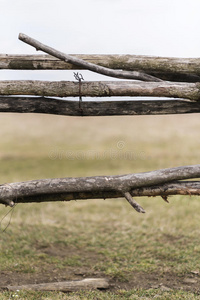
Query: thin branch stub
pixel 133 203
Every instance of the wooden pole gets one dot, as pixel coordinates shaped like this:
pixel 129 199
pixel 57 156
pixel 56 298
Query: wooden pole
pixel 187 188
pixel 166 68
pixel 101 89
pixel 97 108
pixel 101 186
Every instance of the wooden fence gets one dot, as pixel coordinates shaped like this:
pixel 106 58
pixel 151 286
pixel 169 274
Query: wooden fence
pixel 176 81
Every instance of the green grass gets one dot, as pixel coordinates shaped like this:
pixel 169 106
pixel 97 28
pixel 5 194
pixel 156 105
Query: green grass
pixel 100 237
pixel 123 245
pixel 121 294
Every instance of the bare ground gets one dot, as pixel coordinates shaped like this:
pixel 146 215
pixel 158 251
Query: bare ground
pixel 165 281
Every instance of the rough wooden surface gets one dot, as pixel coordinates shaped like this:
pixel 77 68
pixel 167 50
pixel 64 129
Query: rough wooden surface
pixel 97 108
pixel 88 65
pixel 99 186
pixel 166 68
pixel 64 286
pixel 101 88
pixel 168 189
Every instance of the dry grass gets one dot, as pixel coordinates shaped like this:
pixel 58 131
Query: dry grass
pixel 165 140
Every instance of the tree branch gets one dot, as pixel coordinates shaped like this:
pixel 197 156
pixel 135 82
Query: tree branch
pixel 190 188
pixel 152 183
pixel 83 64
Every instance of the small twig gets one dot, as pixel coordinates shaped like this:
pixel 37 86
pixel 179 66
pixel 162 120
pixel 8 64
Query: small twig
pixel 81 63
pixel 133 203
pixel 165 198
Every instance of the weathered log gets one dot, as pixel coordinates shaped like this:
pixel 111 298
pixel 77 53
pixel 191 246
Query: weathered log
pixel 97 108
pixel 191 188
pixel 95 187
pixel 166 68
pixel 82 63
pixel 101 89
pixel 63 286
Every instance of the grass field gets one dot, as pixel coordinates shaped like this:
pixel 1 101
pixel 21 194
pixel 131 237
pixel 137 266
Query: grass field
pixel 145 256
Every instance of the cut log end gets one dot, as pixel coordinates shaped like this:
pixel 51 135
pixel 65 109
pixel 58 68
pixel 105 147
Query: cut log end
pixel 8 202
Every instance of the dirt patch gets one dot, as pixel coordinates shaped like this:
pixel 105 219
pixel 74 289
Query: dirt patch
pixel 142 280
pixel 166 281
pixel 51 273
pixel 63 251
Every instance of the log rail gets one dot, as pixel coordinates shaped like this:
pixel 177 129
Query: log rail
pixel 70 107
pixel 146 76
pixel 166 68
pixel 163 182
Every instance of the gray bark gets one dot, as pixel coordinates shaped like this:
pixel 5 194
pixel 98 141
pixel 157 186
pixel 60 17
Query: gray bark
pixel 64 286
pixel 168 189
pixel 166 68
pixel 97 186
pixel 89 66
pixel 97 108
pixel 101 89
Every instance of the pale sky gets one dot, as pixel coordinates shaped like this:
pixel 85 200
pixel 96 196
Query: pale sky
pixel 146 27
